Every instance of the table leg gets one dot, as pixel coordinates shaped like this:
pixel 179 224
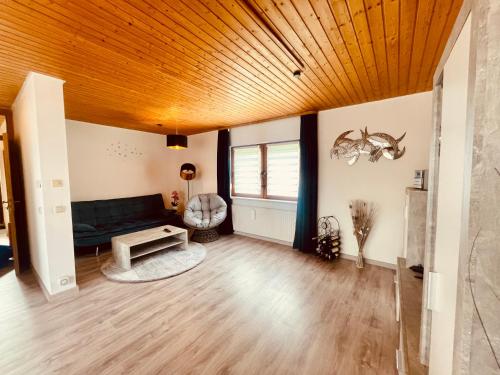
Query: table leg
pixel 121 255
pixel 185 245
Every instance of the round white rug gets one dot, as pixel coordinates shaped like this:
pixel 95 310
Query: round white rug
pixel 157 266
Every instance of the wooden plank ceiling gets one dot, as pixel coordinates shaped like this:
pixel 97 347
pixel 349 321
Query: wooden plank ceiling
pixel 207 64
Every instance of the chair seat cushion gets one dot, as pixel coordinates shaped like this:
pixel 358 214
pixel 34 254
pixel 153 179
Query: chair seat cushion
pixel 205 211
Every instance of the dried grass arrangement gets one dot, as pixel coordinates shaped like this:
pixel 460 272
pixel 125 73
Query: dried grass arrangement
pixel 362 214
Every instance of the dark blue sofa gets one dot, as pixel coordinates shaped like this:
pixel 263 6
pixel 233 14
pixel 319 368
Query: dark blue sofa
pixel 95 222
pixel 5 255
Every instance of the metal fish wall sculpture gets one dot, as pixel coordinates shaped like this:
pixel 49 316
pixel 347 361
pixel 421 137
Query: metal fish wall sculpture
pixel 375 145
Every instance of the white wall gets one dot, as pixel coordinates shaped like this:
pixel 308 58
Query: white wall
pixel 383 182
pixel 287 129
pixel 40 130
pixel 450 199
pixel 107 162
pixel 202 152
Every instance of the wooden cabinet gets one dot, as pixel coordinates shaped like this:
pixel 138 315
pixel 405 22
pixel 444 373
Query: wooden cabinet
pixel 414 229
pixel 408 294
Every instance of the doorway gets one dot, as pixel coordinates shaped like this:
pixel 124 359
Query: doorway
pixel 14 252
pixel 6 256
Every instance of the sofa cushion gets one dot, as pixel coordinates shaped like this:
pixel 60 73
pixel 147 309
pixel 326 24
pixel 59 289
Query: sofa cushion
pixel 83 212
pixel 82 227
pixel 121 209
pixel 131 223
pixel 96 233
pixel 108 212
pixel 100 237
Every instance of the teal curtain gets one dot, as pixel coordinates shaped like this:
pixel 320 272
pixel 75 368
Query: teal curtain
pixel 224 178
pixel 307 204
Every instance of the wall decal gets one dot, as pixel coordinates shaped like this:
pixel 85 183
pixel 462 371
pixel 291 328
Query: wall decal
pixel 375 145
pixel 123 150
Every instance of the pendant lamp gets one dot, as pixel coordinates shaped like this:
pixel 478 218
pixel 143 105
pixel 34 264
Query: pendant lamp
pixel 177 141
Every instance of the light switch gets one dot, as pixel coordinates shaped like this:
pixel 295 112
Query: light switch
pixel 57 183
pixel 59 209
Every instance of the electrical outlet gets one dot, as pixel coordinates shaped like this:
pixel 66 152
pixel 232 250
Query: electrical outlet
pixel 64 280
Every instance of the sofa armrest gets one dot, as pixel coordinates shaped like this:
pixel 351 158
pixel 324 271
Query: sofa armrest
pixel 167 212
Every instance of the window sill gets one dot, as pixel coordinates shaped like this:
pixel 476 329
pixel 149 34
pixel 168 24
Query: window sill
pixel 265 203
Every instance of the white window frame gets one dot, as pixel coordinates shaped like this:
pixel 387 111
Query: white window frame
pixel 263 173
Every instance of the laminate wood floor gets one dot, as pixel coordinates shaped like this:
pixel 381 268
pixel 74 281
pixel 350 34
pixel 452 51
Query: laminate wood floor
pixel 252 307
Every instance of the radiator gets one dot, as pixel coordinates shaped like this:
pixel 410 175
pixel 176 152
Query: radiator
pixel 274 223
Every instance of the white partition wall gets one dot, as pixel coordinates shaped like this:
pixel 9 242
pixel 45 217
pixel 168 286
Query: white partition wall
pixel 41 136
pixel 450 201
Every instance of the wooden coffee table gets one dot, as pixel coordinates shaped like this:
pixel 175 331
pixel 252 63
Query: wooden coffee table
pixel 133 245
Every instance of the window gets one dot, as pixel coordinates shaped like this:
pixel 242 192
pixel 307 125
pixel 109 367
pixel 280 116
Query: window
pixel 269 171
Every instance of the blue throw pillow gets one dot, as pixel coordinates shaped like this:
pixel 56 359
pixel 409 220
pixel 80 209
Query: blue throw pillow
pixel 80 227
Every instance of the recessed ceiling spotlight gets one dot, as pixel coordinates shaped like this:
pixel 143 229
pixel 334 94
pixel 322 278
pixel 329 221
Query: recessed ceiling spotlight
pixel 297 73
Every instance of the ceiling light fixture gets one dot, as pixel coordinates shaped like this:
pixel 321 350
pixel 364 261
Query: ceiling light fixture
pixel 177 141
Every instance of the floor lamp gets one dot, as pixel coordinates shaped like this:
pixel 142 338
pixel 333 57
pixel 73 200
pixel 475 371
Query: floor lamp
pixel 188 173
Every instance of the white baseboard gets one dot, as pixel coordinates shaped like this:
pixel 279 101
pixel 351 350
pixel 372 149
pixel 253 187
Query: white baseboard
pixel 286 243
pixel 369 261
pixel 57 297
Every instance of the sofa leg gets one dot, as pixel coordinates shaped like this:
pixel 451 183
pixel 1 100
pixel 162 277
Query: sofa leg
pixel 97 251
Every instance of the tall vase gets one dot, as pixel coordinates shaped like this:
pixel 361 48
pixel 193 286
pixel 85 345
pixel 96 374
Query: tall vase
pixel 359 260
